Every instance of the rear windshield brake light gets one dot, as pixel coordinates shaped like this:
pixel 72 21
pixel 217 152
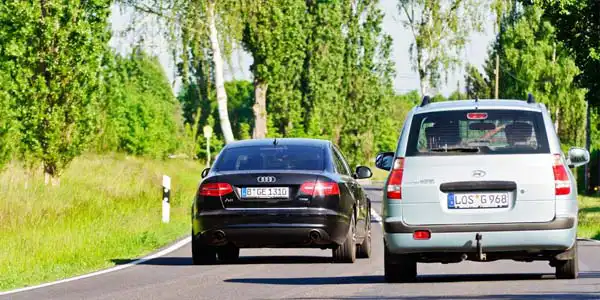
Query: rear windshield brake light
pixel 477 116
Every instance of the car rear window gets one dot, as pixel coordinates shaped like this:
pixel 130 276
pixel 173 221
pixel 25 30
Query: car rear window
pixel 477 132
pixel 288 157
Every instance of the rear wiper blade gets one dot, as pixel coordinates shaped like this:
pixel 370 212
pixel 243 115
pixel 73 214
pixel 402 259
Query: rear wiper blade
pixel 455 149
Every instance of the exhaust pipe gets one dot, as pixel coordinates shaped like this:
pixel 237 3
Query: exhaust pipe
pixel 314 235
pixel 219 235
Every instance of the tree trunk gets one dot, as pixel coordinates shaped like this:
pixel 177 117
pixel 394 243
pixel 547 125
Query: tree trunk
pixel 219 78
pixel 260 109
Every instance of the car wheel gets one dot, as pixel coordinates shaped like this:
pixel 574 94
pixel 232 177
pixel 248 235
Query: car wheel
pixel 228 253
pixel 398 268
pixel 364 249
pixel 568 269
pixel 203 254
pixel 346 252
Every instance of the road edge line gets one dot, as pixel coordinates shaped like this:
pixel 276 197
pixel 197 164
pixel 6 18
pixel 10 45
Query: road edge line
pixel 377 216
pixel 166 251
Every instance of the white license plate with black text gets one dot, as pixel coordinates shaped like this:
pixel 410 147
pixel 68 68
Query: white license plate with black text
pixel 479 200
pixel 265 192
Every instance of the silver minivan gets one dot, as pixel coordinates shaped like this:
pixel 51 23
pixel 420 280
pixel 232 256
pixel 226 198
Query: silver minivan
pixel 479 180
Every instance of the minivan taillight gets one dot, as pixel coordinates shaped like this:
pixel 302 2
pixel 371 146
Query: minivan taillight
pixel 320 188
pixel 215 189
pixel 394 187
pixel 562 185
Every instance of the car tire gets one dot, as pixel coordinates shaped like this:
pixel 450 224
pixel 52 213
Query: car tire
pixel 346 252
pixel 203 254
pixel 399 267
pixel 568 269
pixel 364 249
pixel 228 254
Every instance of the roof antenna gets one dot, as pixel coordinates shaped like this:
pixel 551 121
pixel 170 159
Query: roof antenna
pixel 476 98
pixel 425 101
pixel 530 98
pixel 274 141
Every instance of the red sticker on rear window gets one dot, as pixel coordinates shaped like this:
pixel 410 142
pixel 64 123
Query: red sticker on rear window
pixel 477 116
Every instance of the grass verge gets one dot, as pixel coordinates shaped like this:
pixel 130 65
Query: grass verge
pixel 589 217
pixel 107 208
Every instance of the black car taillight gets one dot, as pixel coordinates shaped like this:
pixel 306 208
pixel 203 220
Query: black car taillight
pixel 320 188
pixel 215 189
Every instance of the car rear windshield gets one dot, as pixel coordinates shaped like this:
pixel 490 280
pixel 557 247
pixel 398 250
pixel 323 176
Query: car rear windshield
pixel 284 157
pixel 477 132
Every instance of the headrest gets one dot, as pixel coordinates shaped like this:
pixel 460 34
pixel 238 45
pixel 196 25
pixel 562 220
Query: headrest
pixel 519 131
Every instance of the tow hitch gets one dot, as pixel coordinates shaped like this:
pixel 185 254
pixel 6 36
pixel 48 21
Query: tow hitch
pixel 480 255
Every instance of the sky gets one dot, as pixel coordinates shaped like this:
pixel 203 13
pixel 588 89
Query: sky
pixel 406 78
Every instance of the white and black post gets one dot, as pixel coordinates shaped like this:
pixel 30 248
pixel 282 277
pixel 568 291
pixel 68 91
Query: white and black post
pixel 166 205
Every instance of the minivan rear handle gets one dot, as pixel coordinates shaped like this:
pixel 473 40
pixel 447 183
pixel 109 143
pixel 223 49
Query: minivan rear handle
pixel 468 186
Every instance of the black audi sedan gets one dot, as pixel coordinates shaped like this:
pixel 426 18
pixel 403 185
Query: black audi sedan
pixel 281 193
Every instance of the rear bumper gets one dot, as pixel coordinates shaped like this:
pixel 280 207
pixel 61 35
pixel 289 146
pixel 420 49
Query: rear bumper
pixel 275 228
pixel 556 236
pixel 556 224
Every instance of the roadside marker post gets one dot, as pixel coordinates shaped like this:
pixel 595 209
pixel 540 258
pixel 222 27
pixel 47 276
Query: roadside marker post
pixel 207 134
pixel 166 198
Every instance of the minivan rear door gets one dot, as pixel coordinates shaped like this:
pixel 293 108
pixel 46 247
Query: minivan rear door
pixel 480 166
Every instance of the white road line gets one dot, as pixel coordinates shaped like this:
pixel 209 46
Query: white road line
pixel 376 216
pixel 588 240
pixel 117 268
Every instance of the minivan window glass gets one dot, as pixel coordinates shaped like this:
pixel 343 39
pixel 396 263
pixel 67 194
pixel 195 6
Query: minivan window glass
pixel 288 157
pixel 477 132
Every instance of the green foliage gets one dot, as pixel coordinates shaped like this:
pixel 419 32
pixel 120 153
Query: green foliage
pixel 141 108
pixel 194 103
pixel 54 52
pixel 531 61
pixel 275 35
pixel 577 24
pixel 440 31
pixel 7 124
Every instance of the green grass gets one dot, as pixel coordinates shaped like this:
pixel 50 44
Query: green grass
pixel 589 217
pixel 106 208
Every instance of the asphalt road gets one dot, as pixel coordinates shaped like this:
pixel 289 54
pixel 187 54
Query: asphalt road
pixel 308 274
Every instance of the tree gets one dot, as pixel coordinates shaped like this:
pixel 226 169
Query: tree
pixel 275 37
pixel 195 22
pixel 219 78
pixel 532 61
pixel 55 52
pixel 578 28
pixel 7 125
pixel 141 109
pixel 367 82
pixel 440 31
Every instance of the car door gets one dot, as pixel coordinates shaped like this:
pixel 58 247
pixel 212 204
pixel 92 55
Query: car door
pixel 355 189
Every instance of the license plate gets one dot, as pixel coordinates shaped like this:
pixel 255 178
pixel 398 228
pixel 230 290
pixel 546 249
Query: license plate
pixel 478 200
pixel 266 192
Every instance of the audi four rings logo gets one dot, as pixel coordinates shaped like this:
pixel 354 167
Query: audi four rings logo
pixel 266 179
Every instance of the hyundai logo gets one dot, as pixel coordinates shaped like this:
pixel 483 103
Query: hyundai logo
pixel 266 179
pixel 478 173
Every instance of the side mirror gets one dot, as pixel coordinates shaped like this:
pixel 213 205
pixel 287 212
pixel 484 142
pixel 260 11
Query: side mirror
pixel 363 172
pixel 578 157
pixel 384 160
pixel 205 172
